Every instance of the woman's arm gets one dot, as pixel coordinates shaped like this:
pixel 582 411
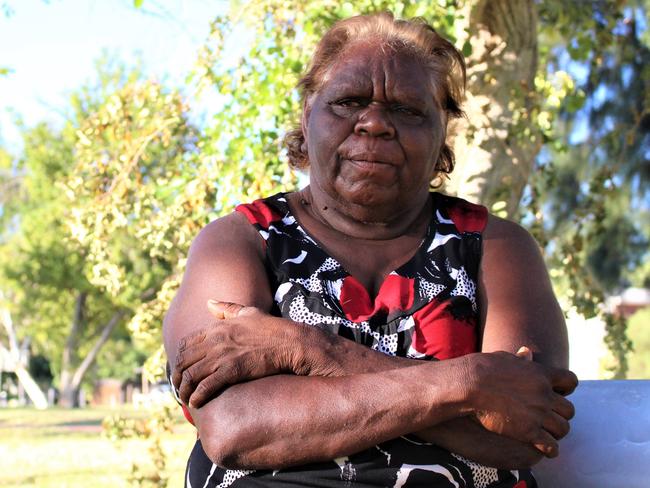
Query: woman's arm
pixel 260 423
pixel 518 307
pixel 335 357
pixel 517 302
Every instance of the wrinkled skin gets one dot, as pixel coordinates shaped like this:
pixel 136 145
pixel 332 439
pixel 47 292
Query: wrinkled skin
pixel 509 395
pixel 373 132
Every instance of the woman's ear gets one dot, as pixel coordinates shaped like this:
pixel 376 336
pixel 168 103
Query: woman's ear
pixel 304 122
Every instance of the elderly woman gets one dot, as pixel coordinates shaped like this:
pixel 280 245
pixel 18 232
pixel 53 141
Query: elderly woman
pixel 365 331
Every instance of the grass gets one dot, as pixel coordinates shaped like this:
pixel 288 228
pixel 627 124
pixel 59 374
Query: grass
pixel 65 448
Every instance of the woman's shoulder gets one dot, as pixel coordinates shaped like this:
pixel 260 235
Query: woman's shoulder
pixel 508 232
pixel 242 225
pixel 263 212
pixel 232 233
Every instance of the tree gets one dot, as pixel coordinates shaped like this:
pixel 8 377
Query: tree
pixel 640 336
pixel 515 94
pixel 592 187
pixel 137 194
pixel 54 303
pixel 66 298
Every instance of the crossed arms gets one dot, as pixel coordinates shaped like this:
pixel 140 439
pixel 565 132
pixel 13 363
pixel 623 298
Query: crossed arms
pixel 269 393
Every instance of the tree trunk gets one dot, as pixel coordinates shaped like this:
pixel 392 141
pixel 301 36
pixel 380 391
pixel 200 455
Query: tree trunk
pixel 497 144
pixel 69 395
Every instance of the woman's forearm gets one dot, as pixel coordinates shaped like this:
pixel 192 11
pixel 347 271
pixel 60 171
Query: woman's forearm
pixel 462 435
pixel 284 420
pixel 469 439
pixel 512 397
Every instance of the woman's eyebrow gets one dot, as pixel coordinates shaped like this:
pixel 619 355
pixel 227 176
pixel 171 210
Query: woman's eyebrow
pixel 356 81
pixel 408 98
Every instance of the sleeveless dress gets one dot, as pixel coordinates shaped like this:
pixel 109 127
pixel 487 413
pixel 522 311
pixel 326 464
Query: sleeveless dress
pixel 426 310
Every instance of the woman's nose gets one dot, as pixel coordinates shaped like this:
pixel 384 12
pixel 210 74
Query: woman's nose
pixel 374 121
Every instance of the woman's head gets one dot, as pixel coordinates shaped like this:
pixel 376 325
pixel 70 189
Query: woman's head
pixel 415 39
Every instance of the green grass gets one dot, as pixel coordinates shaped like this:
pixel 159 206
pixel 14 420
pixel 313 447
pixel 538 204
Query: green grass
pixel 65 448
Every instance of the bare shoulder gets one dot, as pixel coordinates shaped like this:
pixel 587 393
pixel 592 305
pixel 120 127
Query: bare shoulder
pixel 500 231
pixel 231 231
pixel 512 259
pixel 506 242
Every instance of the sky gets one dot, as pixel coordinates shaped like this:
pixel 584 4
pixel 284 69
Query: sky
pixel 51 47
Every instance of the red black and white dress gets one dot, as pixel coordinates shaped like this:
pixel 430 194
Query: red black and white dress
pixel 426 310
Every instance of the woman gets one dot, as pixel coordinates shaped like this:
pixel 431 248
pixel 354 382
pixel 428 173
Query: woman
pixel 340 344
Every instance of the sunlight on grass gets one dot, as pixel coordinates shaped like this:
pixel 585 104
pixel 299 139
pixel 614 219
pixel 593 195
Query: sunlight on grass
pixel 65 448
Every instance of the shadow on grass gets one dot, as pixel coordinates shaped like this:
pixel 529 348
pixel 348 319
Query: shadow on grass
pixel 80 423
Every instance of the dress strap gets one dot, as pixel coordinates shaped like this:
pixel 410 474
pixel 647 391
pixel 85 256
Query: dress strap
pixel 466 216
pixel 265 211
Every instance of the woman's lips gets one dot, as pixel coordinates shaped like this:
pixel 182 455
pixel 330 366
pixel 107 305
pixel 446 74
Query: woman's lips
pixel 371 158
pixel 368 162
pixel 369 170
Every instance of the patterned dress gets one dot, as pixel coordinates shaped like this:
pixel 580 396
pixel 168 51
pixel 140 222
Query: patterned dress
pixel 426 310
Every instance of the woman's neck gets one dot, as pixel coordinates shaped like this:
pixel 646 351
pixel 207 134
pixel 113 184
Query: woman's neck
pixel 361 222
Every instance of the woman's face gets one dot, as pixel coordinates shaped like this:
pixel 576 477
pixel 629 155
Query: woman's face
pixel 374 130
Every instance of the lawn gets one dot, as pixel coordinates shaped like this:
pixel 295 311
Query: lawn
pixel 65 448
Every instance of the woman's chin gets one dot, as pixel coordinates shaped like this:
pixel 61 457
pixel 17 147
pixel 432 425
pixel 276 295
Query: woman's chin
pixel 371 203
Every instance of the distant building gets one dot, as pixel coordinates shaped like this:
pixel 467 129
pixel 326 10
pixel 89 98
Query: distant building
pixel 629 301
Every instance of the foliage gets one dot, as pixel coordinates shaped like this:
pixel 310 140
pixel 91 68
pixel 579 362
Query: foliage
pixel 639 333
pixel 152 429
pixel 590 193
pixel 138 194
pixel 62 270
pixel 45 269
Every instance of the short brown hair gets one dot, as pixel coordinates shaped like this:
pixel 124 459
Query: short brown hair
pixel 442 60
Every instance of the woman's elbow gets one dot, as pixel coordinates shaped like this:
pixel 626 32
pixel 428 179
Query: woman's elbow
pixel 224 447
pixel 223 434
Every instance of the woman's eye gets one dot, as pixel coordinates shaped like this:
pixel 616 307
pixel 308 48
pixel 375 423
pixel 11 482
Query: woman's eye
pixel 348 103
pixel 406 110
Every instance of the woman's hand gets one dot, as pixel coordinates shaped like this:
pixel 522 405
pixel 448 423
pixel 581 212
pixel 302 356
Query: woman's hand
pixel 245 343
pixel 516 397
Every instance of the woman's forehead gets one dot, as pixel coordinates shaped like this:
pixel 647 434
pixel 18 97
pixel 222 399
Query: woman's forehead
pixel 364 66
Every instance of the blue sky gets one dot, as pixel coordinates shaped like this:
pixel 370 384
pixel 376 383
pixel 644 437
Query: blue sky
pixel 51 47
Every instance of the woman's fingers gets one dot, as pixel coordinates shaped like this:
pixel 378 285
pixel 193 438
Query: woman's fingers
pixel 563 407
pixel 211 385
pixel 524 352
pixel 546 444
pixel 224 310
pixel 517 398
pixel 185 359
pixel 189 378
pixel 556 425
pixel 564 381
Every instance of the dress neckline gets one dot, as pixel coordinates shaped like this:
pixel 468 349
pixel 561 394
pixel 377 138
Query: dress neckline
pixel 403 269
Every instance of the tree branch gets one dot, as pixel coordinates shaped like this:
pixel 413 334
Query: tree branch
pixel 92 355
